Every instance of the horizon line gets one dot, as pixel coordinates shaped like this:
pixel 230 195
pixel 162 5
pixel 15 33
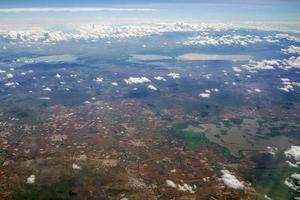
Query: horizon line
pixel 74 9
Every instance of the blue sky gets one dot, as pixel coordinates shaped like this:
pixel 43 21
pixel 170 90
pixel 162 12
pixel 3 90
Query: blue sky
pixel 201 10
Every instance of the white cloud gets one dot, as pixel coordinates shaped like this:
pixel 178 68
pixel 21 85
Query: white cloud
pixel 285 79
pixel 292 50
pixel 290 164
pixel 257 90
pixel 204 95
pixel 22 10
pixel 39 33
pixel 99 80
pixel 30 179
pixel 136 80
pixel 287 85
pixel 11 84
pixel 293 153
pixel 236 69
pixel 267 197
pixel 272 150
pixel 159 78
pixel 284 89
pixel 9 75
pixel 92 32
pixel 26 72
pixel 295 176
pixel 253 66
pixel 114 83
pixel 262 65
pixel 204 39
pixel 44 98
pixel 58 76
pixel 47 89
pixel 207 93
pixel 151 87
pixel 174 75
pixel 171 184
pixel 290 182
pixel 287 37
pixel 293 62
pixel 231 181
pixel 75 166
pixel 184 187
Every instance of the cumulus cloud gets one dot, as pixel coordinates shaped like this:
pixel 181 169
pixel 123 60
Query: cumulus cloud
pixel 287 85
pixel 151 87
pixel 32 35
pixel 75 166
pixel 137 80
pixel 288 37
pixel 272 150
pixel 231 181
pixel 293 152
pixel 207 92
pixel 31 179
pixel 92 32
pixel 261 65
pixel 184 187
pixel 227 40
pixel 9 75
pixel 47 89
pixel 174 75
pixel 294 155
pixel 291 182
pixel 257 90
pixel 253 66
pixel 292 50
pixel 171 184
pixel 204 95
pixel 296 176
pixel 99 80
pixel 236 69
pixel 11 84
pixel 293 62
pixel 159 78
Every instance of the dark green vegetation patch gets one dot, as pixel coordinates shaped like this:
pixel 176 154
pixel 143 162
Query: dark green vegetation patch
pixel 194 140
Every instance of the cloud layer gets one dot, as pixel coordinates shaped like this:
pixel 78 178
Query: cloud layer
pixel 34 10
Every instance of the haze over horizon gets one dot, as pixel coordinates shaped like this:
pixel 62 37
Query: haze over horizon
pixel 216 10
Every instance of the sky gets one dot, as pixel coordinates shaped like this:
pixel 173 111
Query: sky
pixel 186 10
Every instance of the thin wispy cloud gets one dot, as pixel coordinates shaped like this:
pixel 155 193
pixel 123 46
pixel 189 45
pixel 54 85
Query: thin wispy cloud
pixel 33 10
